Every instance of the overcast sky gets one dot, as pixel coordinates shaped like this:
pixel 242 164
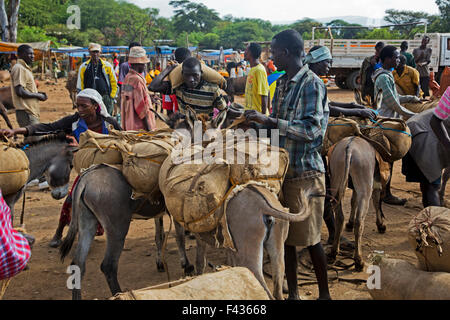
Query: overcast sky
pixel 291 10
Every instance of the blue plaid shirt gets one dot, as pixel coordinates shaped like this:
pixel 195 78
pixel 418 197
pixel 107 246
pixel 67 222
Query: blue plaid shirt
pixel 301 109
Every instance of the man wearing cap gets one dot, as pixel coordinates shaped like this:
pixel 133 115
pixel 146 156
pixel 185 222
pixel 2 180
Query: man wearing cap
pixel 98 74
pixel 135 102
pixel 24 93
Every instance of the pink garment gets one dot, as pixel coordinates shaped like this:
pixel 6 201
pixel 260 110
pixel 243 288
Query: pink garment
pixel 14 248
pixel 136 103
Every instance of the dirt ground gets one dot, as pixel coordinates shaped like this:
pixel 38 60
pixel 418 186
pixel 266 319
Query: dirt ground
pixel 46 277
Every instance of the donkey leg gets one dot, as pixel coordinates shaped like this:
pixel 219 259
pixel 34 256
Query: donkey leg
pixel 362 209
pixel 181 243
pixel 200 258
pixel 275 248
pixel 351 220
pixel 87 229
pixel 337 239
pixel 110 264
pixel 159 239
pixel 445 177
pixel 377 203
pixel 249 240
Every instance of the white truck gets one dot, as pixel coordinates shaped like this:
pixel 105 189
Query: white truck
pixel 348 55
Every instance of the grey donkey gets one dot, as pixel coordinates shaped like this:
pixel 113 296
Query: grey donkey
pixel 354 157
pixel 113 208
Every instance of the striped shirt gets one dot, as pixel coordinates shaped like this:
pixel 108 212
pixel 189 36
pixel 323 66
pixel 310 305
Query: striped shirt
pixel 202 99
pixel 442 111
pixel 390 105
pixel 14 248
pixel 300 106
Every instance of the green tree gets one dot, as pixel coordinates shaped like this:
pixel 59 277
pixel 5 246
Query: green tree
pixel 344 33
pixel 382 34
pixel 193 17
pixel 399 17
pixel 444 8
pixel 210 41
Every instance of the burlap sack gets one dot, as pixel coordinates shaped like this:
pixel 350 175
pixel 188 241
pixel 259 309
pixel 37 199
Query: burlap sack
pixel 209 75
pixel 399 136
pixel 142 164
pixel 429 236
pixel 400 280
pixel 95 148
pixel 418 107
pixel 133 137
pixel 258 161
pixel 194 192
pixel 14 169
pixel 390 137
pixel 340 128
pixel 231 284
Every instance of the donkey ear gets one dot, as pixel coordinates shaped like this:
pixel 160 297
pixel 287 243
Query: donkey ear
pixel 161 116
pixel 358 98
pixel 191 116
pixel 378 99
pixel 220 119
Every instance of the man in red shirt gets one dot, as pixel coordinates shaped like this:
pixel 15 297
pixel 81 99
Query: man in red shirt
pixel 135 102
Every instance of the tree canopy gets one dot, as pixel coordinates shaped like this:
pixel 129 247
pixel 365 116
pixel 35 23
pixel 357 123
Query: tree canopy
pixel 118 22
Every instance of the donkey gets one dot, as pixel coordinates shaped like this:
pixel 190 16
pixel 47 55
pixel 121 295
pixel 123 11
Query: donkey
pixel 114 208
pixel 355 157
pixel 264 226
pixel 52 157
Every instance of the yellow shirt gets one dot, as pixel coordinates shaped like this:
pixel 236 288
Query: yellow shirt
pixel 21 75
pixel 151 75
pixel 408 80
pixel 256 87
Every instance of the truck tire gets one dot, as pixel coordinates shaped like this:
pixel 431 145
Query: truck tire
pixel 351 80
pixel 341 83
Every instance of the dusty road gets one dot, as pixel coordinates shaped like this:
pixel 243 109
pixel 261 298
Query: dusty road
pixel 46 277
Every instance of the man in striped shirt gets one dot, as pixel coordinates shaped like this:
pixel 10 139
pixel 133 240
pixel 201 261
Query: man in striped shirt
pixel 430 150
pixel 300 114
pixel 195 92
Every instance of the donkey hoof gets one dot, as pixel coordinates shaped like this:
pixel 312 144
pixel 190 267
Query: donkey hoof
pixel 55 243
pixel 160 267
pixel 359 266
pixel 189 270
pixel 349 227
pixel 381 229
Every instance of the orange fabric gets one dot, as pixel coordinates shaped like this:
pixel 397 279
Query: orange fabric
pixel 445 81
pixel 434 86
pixel 136 103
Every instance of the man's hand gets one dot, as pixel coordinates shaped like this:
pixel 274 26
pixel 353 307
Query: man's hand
pixel 42 96
pixel 415 99
pixel 367 113
pixel 254 116
pixel 8 133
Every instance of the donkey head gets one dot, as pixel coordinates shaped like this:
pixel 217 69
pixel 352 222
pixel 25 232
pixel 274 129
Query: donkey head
pixel 187 123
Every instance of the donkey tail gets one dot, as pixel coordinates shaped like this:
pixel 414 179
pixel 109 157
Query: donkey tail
pixel 274 208
pixel 339 193
pixel 66 246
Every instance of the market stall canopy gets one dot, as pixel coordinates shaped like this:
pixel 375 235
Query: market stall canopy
pixel 79 51
pixel 39 47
